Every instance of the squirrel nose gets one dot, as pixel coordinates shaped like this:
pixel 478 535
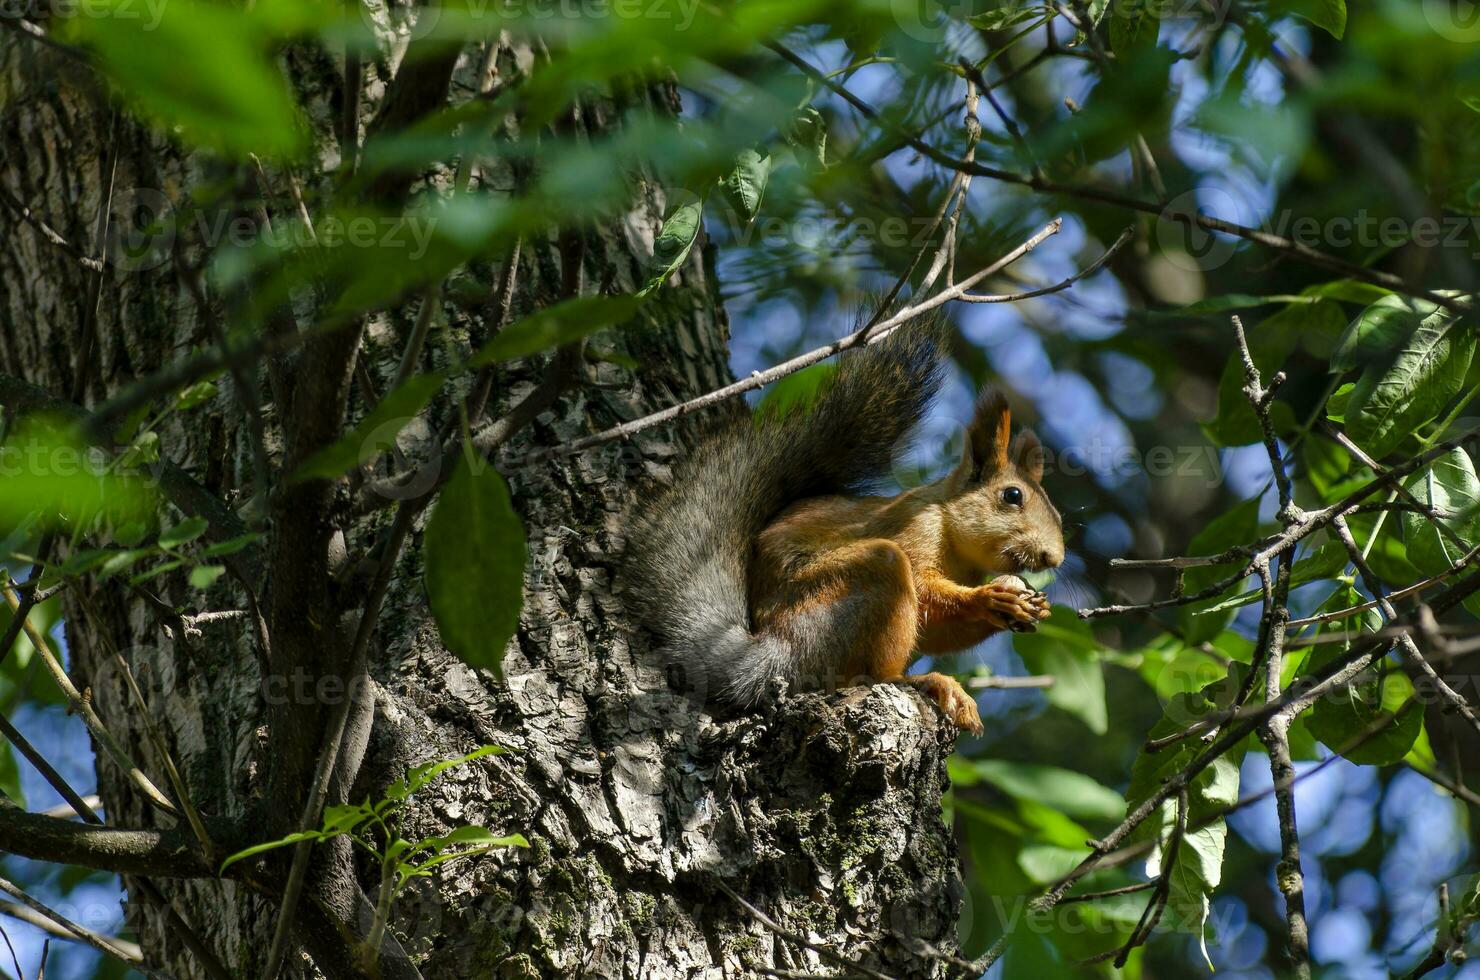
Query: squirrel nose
pixel 1047 559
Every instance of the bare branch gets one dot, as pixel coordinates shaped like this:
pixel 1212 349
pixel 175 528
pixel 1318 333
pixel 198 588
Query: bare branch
pixel 24 913
pixel 1296 250
pixel 80 934
pixel 1405 640
pixel 867 335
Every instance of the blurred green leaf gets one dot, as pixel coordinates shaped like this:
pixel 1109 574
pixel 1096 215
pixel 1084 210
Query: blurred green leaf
pixel 1069 792
pixel 1339 400
pixel 195 395
pixel 204 67
pixel 797 392
pixel 374 433
pixel 1329 15
pixel 1003 14
pixel 1326 465
pixel 186 531
pixel 10 775
pixel 746 184
pixel 204 576
pixel 1351 713
pixel 1133 27
pixel 45 471
pixel 562 323
pixel 1238 525
pixel 808 135
pixel 1064 647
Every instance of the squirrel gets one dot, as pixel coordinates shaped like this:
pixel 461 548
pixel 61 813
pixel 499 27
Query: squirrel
pixel 766 557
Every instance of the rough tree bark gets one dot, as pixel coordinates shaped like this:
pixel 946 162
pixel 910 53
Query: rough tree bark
pixel 638 804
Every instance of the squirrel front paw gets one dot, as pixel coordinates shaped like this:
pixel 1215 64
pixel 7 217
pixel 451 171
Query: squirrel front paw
pixel 1009 600
pixel 952 698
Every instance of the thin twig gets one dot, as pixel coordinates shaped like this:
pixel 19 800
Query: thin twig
pixel 760 379
pixel 82 704
pixel 131 951
pixel 1294 249
pixel 1011 683
pixel 1405 640
pixel 81 934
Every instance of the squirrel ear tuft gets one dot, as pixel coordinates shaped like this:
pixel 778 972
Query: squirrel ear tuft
pixel 987 436
pixel 1027 453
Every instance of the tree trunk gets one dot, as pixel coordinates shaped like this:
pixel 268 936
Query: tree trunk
pixel 641 809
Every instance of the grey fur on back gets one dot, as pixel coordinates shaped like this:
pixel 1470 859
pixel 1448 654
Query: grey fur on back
pixel 690 547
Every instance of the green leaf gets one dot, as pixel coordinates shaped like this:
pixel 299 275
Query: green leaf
pixel 796 392
pixel 1064 647
pixel 195 395
pixel 343 818
pixel 1326 464
pixel 1007 14
pixel 475 557
pixel 143 451
pixel 256 849
pixel 47 475
pixel 204 576
pixel 10 776
pixel 1348 714
pixel 1132 27
pixel 1044 863
pixel 1231 301
pixel 421 775
pixel 1449 486
pixel 745 186
pixel 1071 793
pixel 230 546
pixel 1198 870
pixel 1271 342
pixel 680 230
pixel 375 432
pixel 1330 15
pixel 204 67
pixel 1235 526
pixel 1339 400
pixel 555 325
pixel 186 531
pixel 808 136
pixel 1327 561
pixel 1375 333
pixel 1414 361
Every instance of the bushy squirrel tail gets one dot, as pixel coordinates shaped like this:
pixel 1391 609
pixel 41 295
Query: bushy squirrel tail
pixel 689 547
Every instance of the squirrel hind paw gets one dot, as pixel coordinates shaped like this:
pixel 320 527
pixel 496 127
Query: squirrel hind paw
pixel 951 698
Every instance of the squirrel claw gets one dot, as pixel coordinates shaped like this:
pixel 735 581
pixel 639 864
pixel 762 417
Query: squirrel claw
pixel 1008 598
pixel 950 697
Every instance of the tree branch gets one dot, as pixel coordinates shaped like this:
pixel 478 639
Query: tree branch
pixel 1294 249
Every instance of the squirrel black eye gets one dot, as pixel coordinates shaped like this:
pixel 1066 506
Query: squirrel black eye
pixel 1012 496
